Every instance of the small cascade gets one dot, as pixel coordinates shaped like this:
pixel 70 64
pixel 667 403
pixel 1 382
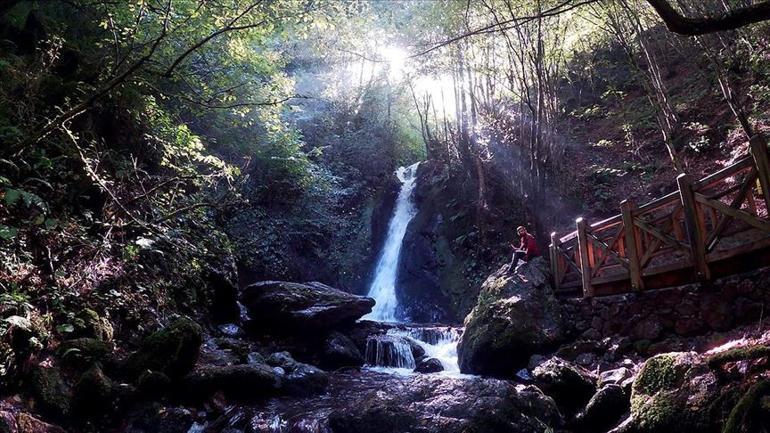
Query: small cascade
pixel 383 288
pixel 394 351
pixel 389 351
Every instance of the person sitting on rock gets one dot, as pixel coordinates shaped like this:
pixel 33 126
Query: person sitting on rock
pixel 527 249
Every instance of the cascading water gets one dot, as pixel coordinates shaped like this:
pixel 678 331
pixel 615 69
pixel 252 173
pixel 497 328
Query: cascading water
pixel 383 288
pixel 395 350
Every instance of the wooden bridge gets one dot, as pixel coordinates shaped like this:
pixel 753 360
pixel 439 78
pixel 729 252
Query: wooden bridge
pixel 712 227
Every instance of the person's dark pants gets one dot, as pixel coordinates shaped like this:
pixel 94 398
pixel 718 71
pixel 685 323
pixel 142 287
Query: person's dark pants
pixel 517 255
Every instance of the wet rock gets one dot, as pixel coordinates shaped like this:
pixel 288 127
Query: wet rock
pixel 26 423
pixel 305 379
pixel 281 359
pixel 340 351
pixel 418 352
pixel 604 410
pixel 246 381
pixel 283 306
pixel 172 350
pixel 569 385
pixel 301 379
pixel 51 392
pixel 430 365
pixel 516 316
pixel 431 403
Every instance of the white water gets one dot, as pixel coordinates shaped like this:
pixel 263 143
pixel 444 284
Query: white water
pixel 383 288
pixel 392 353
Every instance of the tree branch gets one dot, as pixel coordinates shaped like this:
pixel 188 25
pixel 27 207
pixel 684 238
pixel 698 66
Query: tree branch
pixel 500 26
pixel 730 20
pixel 228 28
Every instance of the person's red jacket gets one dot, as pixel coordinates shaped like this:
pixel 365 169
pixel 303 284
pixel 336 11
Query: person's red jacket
pixel 529 244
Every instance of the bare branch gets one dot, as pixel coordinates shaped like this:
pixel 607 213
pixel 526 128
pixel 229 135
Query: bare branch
pixel 729 20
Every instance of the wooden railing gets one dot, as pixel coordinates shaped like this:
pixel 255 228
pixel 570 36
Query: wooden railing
pixel 709 227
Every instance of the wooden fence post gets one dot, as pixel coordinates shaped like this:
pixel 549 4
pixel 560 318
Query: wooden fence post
pixel 555 271
pixel 695 230
pixel 585 266
pixel 758 151
pixel 632 245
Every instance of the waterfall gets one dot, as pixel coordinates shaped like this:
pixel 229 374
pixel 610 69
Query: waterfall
pixel 383 288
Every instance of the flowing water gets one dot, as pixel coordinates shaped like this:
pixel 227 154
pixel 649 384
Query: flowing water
pixel 395 350
pixel 383 288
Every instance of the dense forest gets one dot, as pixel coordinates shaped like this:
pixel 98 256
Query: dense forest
pixel 298 215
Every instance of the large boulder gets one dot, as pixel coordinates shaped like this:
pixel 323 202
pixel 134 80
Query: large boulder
pixel 245 381
pixel 285 306
pixel 430 365
pixel 432 403
pixel 674 392
pixel 516 316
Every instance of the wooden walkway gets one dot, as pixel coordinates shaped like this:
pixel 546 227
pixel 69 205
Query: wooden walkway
pixel 709 228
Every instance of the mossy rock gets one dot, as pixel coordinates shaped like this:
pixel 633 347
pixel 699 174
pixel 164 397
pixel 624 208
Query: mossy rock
pixel 674 392
pixel 660 372
pixel 51 392
pixel 83 351
pixel 93 393
pixel 89 324
pixel 738 354
pixel 172 350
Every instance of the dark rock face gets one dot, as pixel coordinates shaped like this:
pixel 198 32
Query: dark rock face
pixel 224 302
pixel 432 404
pixel 441 266
pixel 284 306
pixel 569 385
pixel 516 316
pixel 340 351
pixel 430 365
pixel 172 350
